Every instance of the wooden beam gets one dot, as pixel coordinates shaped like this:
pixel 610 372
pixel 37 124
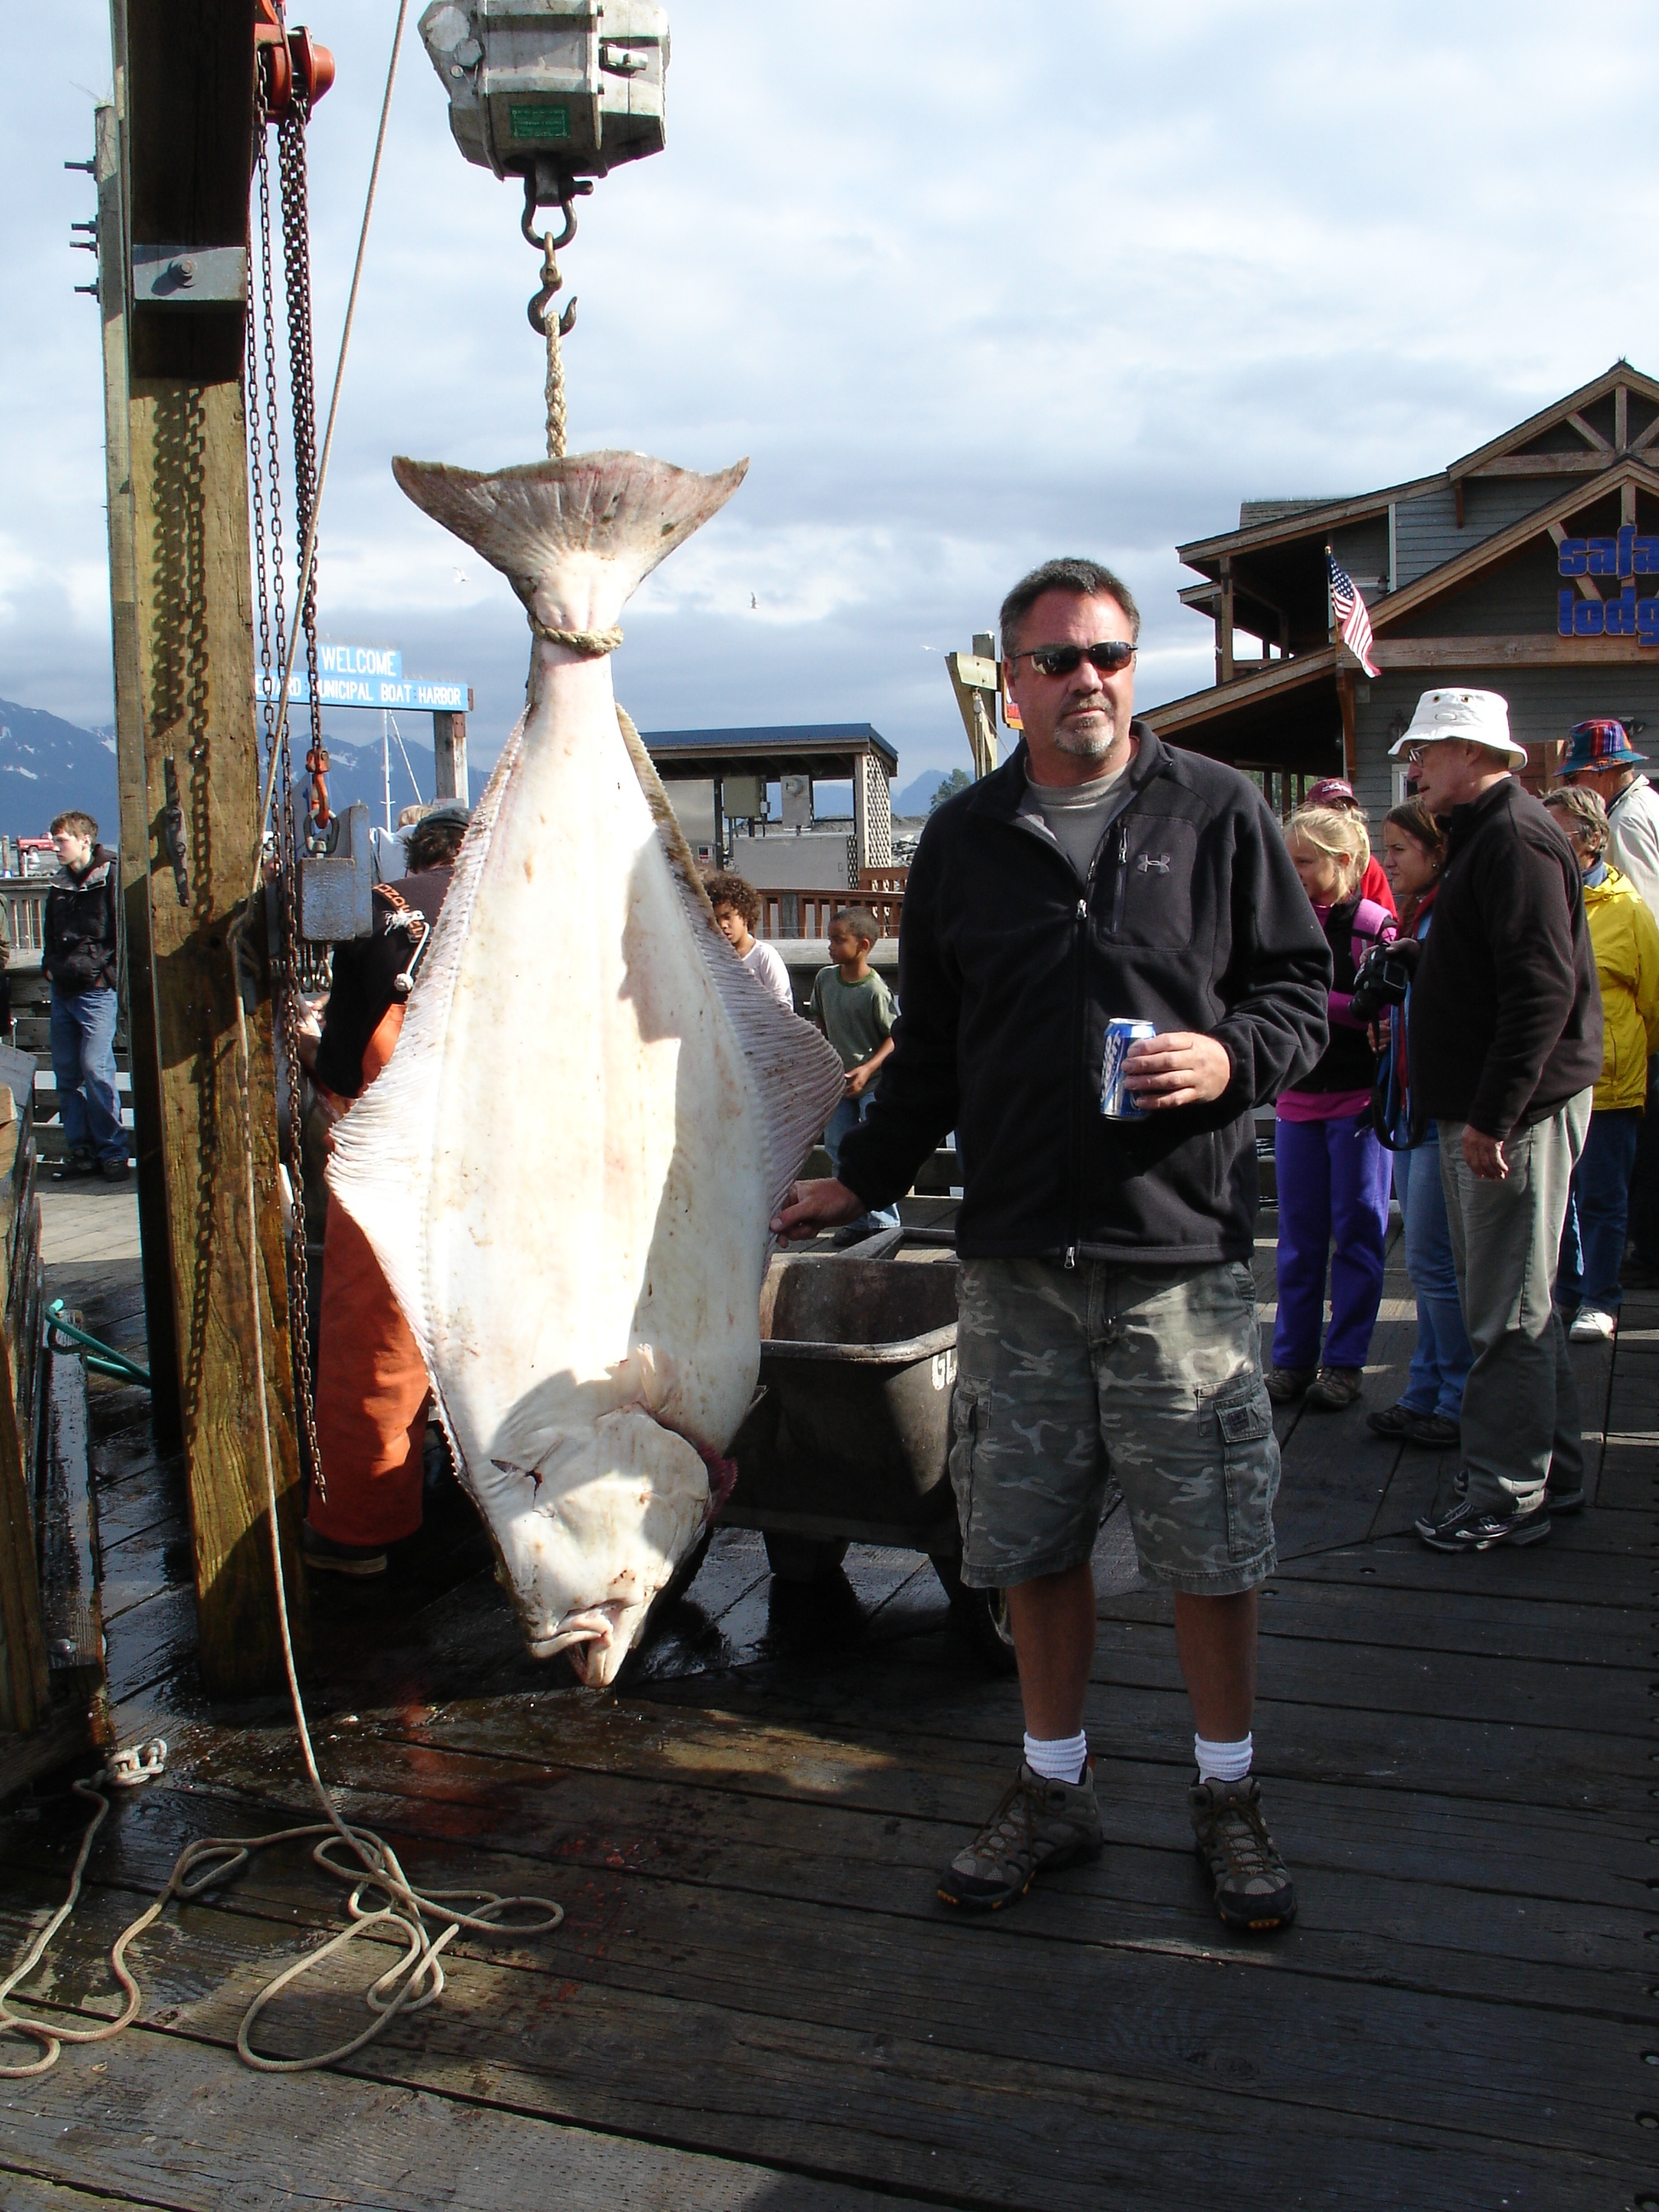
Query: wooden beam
pixel 974 678
pixel 1621 415
pixel 156 1259
pixel 188 71
pixel 1224 625
pixel 1541 651
pixel 1587 586
pixel 1589 432
pixel 1345 692
pixel 1542 465
pixel 1641 444
pixel 449 751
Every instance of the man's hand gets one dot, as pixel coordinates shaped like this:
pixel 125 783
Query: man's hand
pixel 1181 1069
pixel 858 1080
pixel 823 1203
pixel 1484 1154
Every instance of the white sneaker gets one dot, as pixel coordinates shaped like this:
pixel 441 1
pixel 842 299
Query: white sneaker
pixel 1590 1325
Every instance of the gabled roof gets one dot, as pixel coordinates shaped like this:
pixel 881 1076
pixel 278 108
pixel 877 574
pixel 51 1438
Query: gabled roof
pixel 1451 575
pixel 1595 450
pixel 1301 522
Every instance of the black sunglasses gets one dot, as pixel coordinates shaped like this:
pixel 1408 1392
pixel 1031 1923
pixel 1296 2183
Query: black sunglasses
pixel 1109 656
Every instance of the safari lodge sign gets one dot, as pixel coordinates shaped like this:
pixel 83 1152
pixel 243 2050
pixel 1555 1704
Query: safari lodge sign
pixel 1625 556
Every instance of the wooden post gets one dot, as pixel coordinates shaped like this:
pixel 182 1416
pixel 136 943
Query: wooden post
pixel 186 67
pixel 1345 698
pixel 153 1243
pixel 1225 630
pixel 449 750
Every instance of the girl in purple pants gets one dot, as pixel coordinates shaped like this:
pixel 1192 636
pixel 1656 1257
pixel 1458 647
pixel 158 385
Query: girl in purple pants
pixel 1333 1174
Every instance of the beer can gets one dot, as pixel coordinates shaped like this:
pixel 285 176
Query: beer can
pixel 1116 1102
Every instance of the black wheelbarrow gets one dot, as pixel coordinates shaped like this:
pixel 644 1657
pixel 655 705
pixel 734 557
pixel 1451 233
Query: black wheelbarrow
pixel 848 1438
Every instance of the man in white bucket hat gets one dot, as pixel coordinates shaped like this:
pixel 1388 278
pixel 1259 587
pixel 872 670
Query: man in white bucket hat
pixel 1504 1034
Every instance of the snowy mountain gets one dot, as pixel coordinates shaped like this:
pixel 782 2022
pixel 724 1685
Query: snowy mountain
pixel 47 766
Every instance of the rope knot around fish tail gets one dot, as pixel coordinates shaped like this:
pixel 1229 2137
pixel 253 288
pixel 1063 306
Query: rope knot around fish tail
pixel 593 644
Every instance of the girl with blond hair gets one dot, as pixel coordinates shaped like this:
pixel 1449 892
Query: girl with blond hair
pixel 1333 1174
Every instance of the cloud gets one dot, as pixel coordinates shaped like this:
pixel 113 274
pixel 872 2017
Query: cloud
pixel 966 298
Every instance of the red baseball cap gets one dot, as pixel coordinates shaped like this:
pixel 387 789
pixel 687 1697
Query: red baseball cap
pixel 1331 791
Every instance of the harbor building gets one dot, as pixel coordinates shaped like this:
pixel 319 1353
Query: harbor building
pixel 1530 567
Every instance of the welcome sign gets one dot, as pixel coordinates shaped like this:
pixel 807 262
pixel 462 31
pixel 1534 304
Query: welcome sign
pixel 367 675
pixel 1623 557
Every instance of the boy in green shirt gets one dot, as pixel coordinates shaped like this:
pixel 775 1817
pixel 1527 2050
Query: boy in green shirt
pixel 854 1009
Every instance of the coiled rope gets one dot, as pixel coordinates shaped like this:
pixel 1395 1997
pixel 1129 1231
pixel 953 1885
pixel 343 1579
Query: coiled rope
pixel 593 644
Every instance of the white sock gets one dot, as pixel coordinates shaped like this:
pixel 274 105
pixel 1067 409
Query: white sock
pixel 1058 1758
pixel 1223 1762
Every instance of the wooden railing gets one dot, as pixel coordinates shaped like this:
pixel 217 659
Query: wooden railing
pixel 787 914
pixel 23 899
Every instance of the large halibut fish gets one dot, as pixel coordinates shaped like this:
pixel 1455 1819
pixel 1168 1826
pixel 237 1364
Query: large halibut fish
pixel 568 1168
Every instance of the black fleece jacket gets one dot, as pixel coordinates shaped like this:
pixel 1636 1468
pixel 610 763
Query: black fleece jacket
pixel 1505 1009
pixel 81 932
pixel 1009 969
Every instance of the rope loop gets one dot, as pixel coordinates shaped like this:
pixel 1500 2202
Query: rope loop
pixel 591 644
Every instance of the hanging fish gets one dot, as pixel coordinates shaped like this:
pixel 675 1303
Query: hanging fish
pixel 568 1168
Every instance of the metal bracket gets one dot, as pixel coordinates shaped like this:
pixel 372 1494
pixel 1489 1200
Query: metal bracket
pixel 173 831
pixel 189 276
pixel 336 890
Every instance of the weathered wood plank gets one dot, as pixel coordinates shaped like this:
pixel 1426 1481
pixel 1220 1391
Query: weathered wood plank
pixel 162 2120
pixel 1115 2072
pixel 195 685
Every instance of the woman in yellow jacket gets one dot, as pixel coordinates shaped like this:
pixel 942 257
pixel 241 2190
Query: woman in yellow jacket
pixel 1626 939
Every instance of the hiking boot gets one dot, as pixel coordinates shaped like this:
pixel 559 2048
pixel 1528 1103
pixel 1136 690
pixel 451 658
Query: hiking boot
pixel 75 1167
pixel 1335 1389
pixel 1463 1526
pixel 1391 1421
pixel 1252 1889
pixel 323 1554
pixel 1038 1826
pixel 1566 1500
pixel 1285 1385
pixel 1592 1325
pixel 113 1170
pixel 1435 1431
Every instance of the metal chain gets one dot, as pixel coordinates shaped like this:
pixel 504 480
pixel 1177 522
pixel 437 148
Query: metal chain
pixel 297 261
pixel 264 448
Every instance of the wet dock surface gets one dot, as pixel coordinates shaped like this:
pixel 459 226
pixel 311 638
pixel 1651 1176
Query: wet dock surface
pixel 755 1999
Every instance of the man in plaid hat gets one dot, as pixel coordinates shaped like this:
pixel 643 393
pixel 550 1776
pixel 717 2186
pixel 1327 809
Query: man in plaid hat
pixel 1599 757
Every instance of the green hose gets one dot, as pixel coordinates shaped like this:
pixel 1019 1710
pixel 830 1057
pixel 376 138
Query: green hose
pixel 103 1357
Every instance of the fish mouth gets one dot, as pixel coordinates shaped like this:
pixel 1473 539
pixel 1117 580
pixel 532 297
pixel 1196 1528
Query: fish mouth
pixel 597 1639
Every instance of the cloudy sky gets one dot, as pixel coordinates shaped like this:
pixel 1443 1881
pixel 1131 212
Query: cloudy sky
pixel 970 284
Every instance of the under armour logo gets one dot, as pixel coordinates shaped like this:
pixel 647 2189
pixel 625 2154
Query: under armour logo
pixel 1151 863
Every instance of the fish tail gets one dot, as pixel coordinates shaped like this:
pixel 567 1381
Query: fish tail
pixel 574 537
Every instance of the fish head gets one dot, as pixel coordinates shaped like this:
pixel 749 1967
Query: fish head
pixel 590 1530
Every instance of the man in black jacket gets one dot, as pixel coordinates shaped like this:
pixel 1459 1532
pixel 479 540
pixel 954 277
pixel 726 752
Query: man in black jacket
pixel 80 953
pixel 1506 1041
pixel 1106 1323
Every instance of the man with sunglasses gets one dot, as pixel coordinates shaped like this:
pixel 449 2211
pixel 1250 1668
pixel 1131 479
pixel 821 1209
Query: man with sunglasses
pixel 1107 1316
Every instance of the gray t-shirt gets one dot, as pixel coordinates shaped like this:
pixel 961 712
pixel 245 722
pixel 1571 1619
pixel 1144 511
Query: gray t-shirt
pixel 1077 814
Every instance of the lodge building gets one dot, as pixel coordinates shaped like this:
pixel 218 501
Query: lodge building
pixel 1530 567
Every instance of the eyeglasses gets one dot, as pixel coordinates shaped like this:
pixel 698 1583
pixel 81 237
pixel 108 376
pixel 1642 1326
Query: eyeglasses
pixel 1109 656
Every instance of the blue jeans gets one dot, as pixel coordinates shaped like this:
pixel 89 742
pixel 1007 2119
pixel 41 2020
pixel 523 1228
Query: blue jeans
pixel 1593 1242
pixel 1440 1365
pixel 1333 1183
pixel 844 1119
pixel 83 1068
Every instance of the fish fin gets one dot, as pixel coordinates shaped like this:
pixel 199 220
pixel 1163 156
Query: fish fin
pixel 383 1145
pixel 798 1077
pixel 670 835
pixel 574 537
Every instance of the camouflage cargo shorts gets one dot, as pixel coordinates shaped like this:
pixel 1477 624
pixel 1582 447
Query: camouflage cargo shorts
pixel 1150 1379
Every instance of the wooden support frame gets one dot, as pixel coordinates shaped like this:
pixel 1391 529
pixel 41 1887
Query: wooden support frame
pixel 185 79
pixel 449 753
pixel 113 264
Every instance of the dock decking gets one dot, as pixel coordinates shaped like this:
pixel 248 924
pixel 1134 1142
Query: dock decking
pixel 755 1999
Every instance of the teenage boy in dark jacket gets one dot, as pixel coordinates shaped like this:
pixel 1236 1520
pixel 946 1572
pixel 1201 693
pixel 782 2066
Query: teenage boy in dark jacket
pixel 80 953
pixel 1505 1038
pixel 1106 1323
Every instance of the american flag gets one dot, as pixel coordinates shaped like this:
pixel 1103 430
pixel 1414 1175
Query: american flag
pixel 1352 619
